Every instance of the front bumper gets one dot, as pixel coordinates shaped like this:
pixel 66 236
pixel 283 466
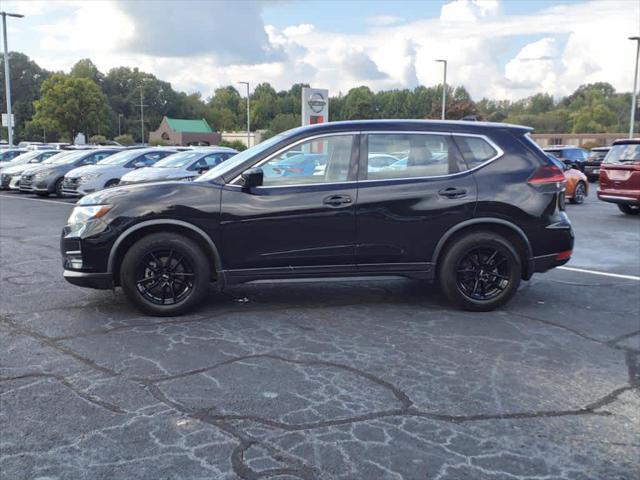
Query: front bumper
pixel 5 181
pixel 100 281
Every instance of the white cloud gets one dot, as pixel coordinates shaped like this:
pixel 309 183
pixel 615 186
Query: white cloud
pixel 559 47
pixel 383 20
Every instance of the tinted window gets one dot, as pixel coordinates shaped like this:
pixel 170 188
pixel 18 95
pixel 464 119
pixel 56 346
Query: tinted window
pixel 623 153
pixel 402 155
pixel 321 160
pixel 475 150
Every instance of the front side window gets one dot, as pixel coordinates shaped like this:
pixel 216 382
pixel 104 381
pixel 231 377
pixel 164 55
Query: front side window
pixel 321 160
pixel 408 155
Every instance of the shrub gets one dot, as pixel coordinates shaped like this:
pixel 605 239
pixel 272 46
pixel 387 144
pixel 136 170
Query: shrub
pixel 159 143
pixel 125 140
pixel 97 139
pixel 235 144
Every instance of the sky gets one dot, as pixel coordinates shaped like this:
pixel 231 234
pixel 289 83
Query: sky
pixel 499 49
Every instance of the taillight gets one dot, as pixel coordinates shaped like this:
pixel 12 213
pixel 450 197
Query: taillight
pixel 546 174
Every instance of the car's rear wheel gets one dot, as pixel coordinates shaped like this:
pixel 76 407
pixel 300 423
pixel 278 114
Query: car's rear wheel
pixel 480 271
pixel 579 193
pixel 165 274
pixel 629 209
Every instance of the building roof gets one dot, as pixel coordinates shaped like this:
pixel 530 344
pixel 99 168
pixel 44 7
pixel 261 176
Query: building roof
pixel 189 126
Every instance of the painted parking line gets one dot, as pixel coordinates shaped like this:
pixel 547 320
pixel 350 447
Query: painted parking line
pixel 57 202
pixel 596 272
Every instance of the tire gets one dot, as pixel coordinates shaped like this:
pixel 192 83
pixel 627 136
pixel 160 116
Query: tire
pixel 579 194
pixel 629 209
pixel 41 194
pixel 57 189
pixel 465 281
pixel 112 183
pixel 155 257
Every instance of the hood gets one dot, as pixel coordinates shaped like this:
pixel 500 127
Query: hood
pixel 41 168
pixel 79 171
pixel 17 169
pixel 154 173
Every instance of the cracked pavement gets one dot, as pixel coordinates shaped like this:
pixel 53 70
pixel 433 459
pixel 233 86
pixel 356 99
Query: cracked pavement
pixel 376 379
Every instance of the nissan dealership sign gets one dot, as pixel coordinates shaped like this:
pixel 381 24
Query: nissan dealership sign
pixel 315 106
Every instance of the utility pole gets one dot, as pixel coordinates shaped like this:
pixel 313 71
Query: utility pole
pixel 634 96
pixel 142 105
pixel 7 77
pixel 444 88
pixel 248 116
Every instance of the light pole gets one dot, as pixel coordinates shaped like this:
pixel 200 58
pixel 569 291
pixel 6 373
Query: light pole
pixel 444 87
pixel 635 85
pixel 119 132
pixel 7 78
pixel 248 116
pixel 142 105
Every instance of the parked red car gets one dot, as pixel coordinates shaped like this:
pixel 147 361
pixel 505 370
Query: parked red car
pixel 620 176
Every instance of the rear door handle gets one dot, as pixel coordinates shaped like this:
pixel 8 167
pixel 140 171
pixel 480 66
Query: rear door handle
pixel 452 192
pixel 337 200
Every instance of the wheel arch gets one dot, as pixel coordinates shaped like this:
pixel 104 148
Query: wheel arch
pixel 502 227
pixel 142 229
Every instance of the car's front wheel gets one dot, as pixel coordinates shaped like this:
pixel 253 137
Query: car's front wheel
pixel 629 209
pixel 165 274
pixel 480 271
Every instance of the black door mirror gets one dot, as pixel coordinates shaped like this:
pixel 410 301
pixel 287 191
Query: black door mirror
pixel 252 178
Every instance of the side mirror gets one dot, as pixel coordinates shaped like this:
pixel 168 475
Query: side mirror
pixel 139 165
pixel 252 178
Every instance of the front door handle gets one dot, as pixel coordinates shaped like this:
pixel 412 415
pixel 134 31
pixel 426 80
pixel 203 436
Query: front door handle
pixel 337 200
pixel 452 192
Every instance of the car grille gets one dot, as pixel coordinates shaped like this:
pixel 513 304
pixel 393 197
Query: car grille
pixel 5 179
pixel 71 184
pixel 26 182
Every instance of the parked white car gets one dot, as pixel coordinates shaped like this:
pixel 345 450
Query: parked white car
pixel 10 171
pixel 180 166
pixel 108 172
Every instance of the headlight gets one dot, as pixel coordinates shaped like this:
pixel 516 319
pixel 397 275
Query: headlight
pixel 87 177
pixel 83 213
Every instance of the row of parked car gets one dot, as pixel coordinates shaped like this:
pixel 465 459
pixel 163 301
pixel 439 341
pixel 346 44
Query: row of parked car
pixel 80 172
pixel 616 167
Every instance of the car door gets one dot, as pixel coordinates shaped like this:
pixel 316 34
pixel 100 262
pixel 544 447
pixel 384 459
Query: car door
pixel 404 208
pixel 297 223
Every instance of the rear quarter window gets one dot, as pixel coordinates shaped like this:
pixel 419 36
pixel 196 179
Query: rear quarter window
pixel 475 150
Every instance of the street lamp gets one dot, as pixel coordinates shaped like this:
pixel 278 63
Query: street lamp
pixel 444 87
pixel 635 85
pixel 7 78
pixel 248 116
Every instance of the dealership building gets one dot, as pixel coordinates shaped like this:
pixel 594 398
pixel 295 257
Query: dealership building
pixel 174 131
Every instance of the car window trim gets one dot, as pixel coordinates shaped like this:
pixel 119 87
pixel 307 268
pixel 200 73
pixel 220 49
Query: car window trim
pixel 354 133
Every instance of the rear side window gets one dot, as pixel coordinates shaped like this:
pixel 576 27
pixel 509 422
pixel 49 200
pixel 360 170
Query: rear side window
pixel 409 155
pixel 475 150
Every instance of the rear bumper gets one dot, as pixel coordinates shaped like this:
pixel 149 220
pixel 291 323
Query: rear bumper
pixel 100 281
pixel 619 197
pixel 547 262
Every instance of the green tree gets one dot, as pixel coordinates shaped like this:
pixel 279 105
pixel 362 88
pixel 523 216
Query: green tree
pixel 71 105
pixel 85 68
pixel 26 79
pixel 358 104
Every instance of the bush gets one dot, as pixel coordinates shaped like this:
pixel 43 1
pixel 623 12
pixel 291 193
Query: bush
pixel 125 140
pixel 97 139
pixel 235 144
pixel 159 143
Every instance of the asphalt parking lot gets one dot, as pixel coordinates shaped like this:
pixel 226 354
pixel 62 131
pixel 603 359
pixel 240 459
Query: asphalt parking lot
pixel 340 380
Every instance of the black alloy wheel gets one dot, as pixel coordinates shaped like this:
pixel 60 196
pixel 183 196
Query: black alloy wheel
pixel 58 187
pixel 164 278
pixel 629 209
pixel 165 274
pixel 480 271
pixel 483 273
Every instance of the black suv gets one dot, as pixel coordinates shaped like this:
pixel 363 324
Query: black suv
pixel 592 165
pixel 474 206
pixel 574 157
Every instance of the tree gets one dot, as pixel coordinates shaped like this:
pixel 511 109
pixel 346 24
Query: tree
pixel 85 68
pixel 72 105
pixel 358 104
pixel 26 79
pixel 125 140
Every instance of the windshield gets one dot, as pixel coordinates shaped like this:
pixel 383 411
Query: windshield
pixel 623 153
pixel 240 158
pixel 24 158
pixel 121 158
pixel 178 159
